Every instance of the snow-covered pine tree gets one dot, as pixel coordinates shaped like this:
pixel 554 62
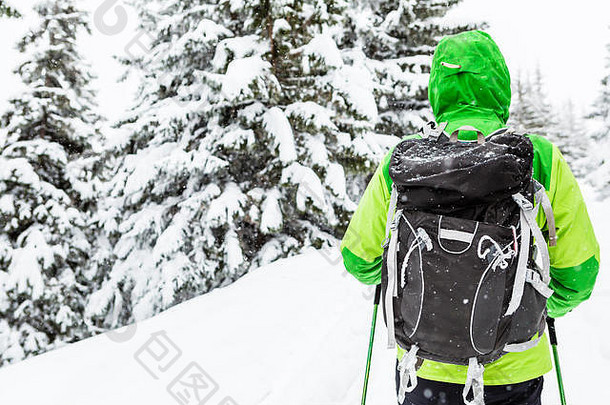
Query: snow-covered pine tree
pixel 238 151
pixel 570 136
pixel 599 121
pixel 530 110
pixel 395 40
pixel 45 186
pixel 252 116
pixel 518 110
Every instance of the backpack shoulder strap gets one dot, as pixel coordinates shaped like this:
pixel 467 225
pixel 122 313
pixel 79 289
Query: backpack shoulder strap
pixel 543 199
pixel 391 244
pixel 390 217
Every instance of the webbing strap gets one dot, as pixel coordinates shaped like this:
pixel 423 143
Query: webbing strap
pixel 521 347
pixel 391 289
pixel 474 383
pixel 536 281
pixel 392 244
pixel 521 273
pixel 544 200
pixel 459 236
pixel 390 217
pixel 407 373
pixel 530 217
pixel 480 135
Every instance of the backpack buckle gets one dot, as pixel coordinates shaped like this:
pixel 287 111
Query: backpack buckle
pixel 396 220
pixel 393 228
pixel 433 130
pixel 524 203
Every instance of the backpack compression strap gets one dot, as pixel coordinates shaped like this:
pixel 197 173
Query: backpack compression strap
pixel 529 228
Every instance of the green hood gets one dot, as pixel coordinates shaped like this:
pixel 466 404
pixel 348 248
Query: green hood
pixel 469 83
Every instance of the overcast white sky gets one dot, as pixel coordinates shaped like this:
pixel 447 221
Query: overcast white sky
pixel 565 38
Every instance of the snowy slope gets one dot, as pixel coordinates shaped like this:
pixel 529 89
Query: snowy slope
pixel 293 332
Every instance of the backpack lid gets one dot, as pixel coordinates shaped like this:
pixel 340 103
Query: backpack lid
pixel 437 172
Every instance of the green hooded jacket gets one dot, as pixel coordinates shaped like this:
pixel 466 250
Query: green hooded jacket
pixel 470 85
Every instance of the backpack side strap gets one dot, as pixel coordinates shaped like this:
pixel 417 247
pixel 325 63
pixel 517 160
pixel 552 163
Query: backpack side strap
pixel 474 383
pixel 407 369
pixel 521 272
pixel 529 228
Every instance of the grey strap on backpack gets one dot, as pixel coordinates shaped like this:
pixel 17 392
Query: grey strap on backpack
pixel 407 372
pixel 390 216
pixel 521 347
pixel 543 199
pixel 391 242
pixel 480 136
pixel 529 228
pixel 474 383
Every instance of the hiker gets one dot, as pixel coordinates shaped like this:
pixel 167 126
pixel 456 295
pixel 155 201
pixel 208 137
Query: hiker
pixel 470 86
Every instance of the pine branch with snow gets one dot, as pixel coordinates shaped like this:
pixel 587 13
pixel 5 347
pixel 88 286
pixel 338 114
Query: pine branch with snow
pixel 8 9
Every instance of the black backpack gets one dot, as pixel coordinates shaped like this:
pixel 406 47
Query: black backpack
pixel 463 280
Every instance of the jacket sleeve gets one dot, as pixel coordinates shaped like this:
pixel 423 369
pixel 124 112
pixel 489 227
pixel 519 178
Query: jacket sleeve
pixel 575 259
pixel 361 246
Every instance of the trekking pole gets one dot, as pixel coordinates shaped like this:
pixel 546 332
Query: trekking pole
pixel 553 337
pixel 371 339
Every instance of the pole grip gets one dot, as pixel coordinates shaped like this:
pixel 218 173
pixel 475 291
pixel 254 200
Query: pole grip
pixel 552 333
pixel 377 294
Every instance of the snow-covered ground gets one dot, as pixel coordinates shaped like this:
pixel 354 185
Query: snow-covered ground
pixel 293 332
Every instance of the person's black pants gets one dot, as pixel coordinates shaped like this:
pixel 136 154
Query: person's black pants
pixel 430 392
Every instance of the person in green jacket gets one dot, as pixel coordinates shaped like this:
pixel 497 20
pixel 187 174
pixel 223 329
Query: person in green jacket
pixel 470 85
